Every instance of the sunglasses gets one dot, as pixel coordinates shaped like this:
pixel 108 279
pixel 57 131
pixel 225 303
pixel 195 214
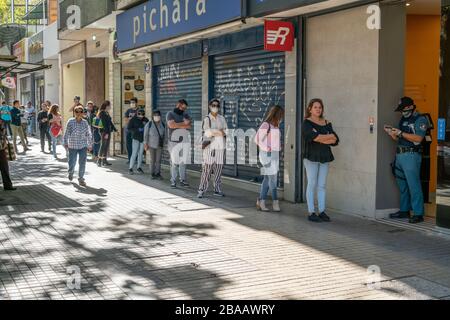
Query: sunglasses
pixel 79 111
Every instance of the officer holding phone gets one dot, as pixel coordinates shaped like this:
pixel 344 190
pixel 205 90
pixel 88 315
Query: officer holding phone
pixel 409 136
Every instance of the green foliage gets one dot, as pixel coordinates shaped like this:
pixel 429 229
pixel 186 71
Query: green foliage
pixel 19 10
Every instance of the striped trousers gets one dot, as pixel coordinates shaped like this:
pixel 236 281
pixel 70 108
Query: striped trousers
pixel 213 161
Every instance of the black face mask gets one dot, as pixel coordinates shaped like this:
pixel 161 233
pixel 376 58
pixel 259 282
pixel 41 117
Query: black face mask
pixel 178 111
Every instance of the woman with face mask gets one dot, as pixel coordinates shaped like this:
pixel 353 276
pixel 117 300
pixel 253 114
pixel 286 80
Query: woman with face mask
pixel 154 134
pixel 213 144
pixel 136 127
pixel 105 132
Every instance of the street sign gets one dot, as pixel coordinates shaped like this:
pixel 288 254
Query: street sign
pixel 278 36
pixel 441 131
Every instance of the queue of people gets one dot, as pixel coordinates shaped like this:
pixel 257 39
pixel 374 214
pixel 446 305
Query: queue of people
pixel 90 130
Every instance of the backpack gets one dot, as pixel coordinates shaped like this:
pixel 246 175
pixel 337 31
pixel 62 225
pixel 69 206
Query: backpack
pixel 97 123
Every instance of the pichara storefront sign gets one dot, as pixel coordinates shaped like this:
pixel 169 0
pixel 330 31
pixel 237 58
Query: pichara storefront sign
pixel 159 20
pixel 278 36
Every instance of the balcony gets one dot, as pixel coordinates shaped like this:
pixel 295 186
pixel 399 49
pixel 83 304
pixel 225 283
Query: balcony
pixel 89 12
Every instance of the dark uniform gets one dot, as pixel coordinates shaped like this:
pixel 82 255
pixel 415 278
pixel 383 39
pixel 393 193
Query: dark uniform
pixel 408 164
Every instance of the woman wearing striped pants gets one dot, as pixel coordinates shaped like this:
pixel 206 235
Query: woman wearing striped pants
pixel 214 133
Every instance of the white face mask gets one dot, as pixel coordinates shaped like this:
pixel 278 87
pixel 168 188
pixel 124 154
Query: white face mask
pixel 133 105
pixel 215 110
pixel 157 119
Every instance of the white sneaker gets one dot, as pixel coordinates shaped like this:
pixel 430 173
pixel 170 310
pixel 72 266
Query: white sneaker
pixel 276 206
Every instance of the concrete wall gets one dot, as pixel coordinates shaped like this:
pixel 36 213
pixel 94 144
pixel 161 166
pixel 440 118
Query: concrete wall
pixel 391 87
pixel 52 83
pixel 73 79
pixel 342 69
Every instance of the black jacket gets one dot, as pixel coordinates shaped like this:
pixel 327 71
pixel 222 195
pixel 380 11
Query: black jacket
pixel 41 116
pixel 108 125
pixel 136 126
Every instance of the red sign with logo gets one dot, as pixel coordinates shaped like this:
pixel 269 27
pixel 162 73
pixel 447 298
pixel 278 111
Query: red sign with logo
pixel 278 35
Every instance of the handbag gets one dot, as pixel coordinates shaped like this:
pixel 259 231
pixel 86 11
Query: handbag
pixel 11 152
pixel 205 143
pixel 55 130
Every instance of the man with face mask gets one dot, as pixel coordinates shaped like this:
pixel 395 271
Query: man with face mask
pixel 137 127
pixel 179 123
pixel 129 114
pixel 154 133
pixel 412 130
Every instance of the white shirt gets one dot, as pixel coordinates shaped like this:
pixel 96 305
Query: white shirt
pixel 217 123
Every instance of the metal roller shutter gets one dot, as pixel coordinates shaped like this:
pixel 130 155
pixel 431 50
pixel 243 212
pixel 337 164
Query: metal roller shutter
pixel 172 82
pixel 249 83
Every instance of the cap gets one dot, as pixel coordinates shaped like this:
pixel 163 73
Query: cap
pixel 76 98
pixel 404 103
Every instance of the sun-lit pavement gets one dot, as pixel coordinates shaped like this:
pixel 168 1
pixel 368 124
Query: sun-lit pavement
pixel 133 238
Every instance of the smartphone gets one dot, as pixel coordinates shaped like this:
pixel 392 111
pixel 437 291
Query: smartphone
pixel 388 127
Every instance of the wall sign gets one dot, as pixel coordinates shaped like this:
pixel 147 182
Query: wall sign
pixel 278 36
pixel 441 131
pixel 265 7
pixel 158 20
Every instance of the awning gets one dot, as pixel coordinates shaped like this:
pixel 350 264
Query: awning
pixel 37 11
pixel 9 64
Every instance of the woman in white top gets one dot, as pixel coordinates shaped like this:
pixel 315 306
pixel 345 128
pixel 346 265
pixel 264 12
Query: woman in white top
pixel 213 143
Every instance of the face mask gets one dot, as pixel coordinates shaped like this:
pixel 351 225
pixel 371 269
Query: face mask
pixel 133 105
pixel 407 114
pixel 215 110
pixel 157 119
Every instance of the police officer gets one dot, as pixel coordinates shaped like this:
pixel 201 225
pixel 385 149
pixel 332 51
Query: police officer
pixel 412 130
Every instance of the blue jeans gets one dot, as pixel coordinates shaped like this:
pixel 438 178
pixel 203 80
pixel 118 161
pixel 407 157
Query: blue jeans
pixel 137 155
pixel 97 142
pixel 82 158
pixel 269 183
pixel 317 174
pixel 408 180
pixel 54 144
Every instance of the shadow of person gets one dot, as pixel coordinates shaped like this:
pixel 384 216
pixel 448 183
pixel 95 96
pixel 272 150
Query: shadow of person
pixel 89 190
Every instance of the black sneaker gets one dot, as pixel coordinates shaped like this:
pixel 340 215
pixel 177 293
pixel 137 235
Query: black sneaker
pixel 159 176
pixel 131 172
pixel 140 171
pixel 106 163
pixel 399 215
pixel 184 184
pixel 154 177
pixel 70 177
pixel 324 217
pixel 173 185
pixel 219 194
pixel 416 219
pixel 314 218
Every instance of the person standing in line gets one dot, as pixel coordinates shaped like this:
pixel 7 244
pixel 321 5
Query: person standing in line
pixel 44 129
pixel 4 166
pixel 179 123
pixel 16 126
pixel 106 131
pixel 5 115
pixel 154 134
pixel 30 115
pixel 24 124
pixel 213 144
pixel 319 137
pixel 268 139
pixel 89 116
pixel 137 127
pixel 130 114
pixel 78 140
pixel 56 128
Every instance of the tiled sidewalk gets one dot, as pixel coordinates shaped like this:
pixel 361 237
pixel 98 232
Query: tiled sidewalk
pixel 133 238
